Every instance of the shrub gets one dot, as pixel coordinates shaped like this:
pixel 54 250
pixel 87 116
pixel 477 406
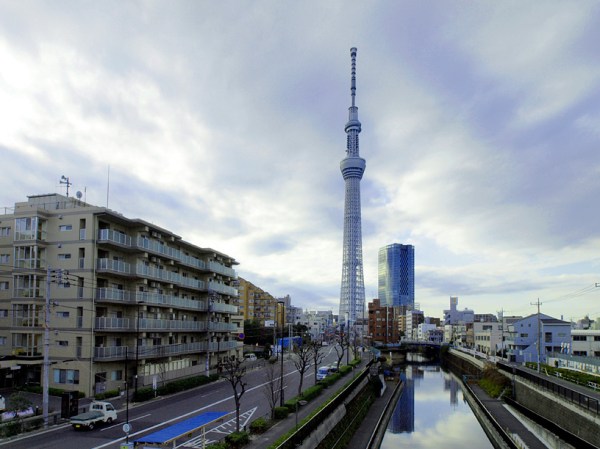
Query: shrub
pixel 331 379
pixel 312 392
pixel 494 382
pixel 280 412
pixel 237 439
pixel 146 393
pixel 107 394
pixel 259 425
pixel 355 362
pixel 345 369
pixel 291 403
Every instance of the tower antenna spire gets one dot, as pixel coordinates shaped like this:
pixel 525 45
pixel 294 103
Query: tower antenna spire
pixel 353 83
pixel 352 294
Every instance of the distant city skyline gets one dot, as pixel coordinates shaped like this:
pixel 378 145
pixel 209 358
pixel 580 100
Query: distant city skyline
pixel 224 125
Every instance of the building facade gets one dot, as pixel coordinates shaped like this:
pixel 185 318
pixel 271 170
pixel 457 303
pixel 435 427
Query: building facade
pixel 109 299
pixel 384 327
pixel 536 336
pixel 396 275
pixel 256 304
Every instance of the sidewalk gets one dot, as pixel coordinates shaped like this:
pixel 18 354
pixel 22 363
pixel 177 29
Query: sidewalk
pixel 507 420
pixel 284 426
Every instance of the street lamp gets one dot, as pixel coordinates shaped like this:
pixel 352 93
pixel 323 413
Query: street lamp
pixel 281 374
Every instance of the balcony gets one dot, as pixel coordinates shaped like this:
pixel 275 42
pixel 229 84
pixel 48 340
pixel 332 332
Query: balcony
pixel 222 288
pixel 117 238
pixel 113 266
pixel 221 269
pixel 224 308
pixel 222 327
pixel 113 294
pixel 148 352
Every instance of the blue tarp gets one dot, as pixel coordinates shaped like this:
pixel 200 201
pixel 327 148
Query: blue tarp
pixel 181 428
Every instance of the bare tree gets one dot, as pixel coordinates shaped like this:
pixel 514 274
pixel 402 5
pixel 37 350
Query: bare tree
pixel 340 349
pixel 302 358
pixel 271 387
pixel 317 355
pixel 233 371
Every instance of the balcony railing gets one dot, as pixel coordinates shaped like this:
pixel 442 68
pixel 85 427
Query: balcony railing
pixel 224 308
pixel 108 235
pixel 147 351
pixel 145 244
pixel 222 327
pixel 115 266
pixel 113 294
pixel 222 288
pixel 221 269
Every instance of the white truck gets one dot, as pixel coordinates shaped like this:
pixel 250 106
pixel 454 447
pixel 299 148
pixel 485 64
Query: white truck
pixel 100 413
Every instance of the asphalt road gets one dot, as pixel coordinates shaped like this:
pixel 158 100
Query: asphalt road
pixel 154 415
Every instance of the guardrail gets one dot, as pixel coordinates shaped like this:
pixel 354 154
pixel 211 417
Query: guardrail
pixel 588 402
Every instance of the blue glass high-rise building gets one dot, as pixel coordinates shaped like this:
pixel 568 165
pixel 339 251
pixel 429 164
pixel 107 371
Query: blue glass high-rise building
pixel 396 275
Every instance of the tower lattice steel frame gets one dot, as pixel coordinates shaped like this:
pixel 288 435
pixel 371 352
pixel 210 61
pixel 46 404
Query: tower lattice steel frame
pixel 352 295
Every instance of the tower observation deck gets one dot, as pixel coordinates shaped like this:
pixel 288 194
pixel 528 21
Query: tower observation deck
pixel 352 295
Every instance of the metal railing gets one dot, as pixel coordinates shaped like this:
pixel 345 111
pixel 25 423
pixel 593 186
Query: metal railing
pixel 588 402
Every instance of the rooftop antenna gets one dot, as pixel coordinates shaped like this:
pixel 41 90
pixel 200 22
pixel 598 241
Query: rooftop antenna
pixel 65 180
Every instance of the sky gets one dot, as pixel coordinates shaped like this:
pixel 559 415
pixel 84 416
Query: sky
pixel 224 123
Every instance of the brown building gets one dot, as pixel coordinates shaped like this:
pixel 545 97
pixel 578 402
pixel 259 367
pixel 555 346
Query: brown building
pixel 384 323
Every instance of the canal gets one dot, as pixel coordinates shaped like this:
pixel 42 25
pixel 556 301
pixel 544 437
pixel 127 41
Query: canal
pixel 432 413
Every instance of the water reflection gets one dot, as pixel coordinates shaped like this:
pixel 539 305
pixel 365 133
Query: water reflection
pixel 429 414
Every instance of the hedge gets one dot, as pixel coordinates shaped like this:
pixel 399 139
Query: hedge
pixel 147 393
pixel 280 412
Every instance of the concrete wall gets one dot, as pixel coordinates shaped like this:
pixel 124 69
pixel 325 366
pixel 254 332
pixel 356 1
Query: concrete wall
pixel 570 417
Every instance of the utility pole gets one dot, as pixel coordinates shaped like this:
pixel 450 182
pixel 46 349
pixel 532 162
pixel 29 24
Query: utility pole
pixel 539 345
pixel 45 383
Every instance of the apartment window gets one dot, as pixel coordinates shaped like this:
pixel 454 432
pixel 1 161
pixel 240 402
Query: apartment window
pixel 596 337
pixel 4 232
pixel 116 375
pixel 64 256
pixel 523 335
pixel 3 313
pixel 62 314
pixel 66 376
pixel 579 337
pixel 2 341
pixel 64 228
pixel 547 337
pixel 4 285
pixel 4 258
pixel 62 343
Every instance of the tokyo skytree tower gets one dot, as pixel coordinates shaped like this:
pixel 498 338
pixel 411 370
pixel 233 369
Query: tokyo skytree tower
pixel 352 296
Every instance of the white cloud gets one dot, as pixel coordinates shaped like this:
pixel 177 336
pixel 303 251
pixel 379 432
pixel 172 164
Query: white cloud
pixel 226 126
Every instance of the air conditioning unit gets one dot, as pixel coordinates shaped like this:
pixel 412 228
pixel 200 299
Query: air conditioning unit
pixel 156 234
pixel 152 284
pixel 153 259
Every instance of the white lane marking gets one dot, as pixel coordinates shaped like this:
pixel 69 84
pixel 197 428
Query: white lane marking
pixel 121 424
pixel 177 418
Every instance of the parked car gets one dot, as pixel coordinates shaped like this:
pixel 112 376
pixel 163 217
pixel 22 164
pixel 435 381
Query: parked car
pixel 250 357
pixel 323 372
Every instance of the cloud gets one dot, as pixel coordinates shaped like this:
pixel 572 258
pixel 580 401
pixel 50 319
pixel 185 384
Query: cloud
pixel 226 125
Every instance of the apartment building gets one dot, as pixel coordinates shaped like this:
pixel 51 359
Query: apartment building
pixel 257 304
pixel 122 299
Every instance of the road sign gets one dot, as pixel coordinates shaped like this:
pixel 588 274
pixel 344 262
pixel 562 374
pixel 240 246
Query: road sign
pixel 126 427
pixel 241 336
